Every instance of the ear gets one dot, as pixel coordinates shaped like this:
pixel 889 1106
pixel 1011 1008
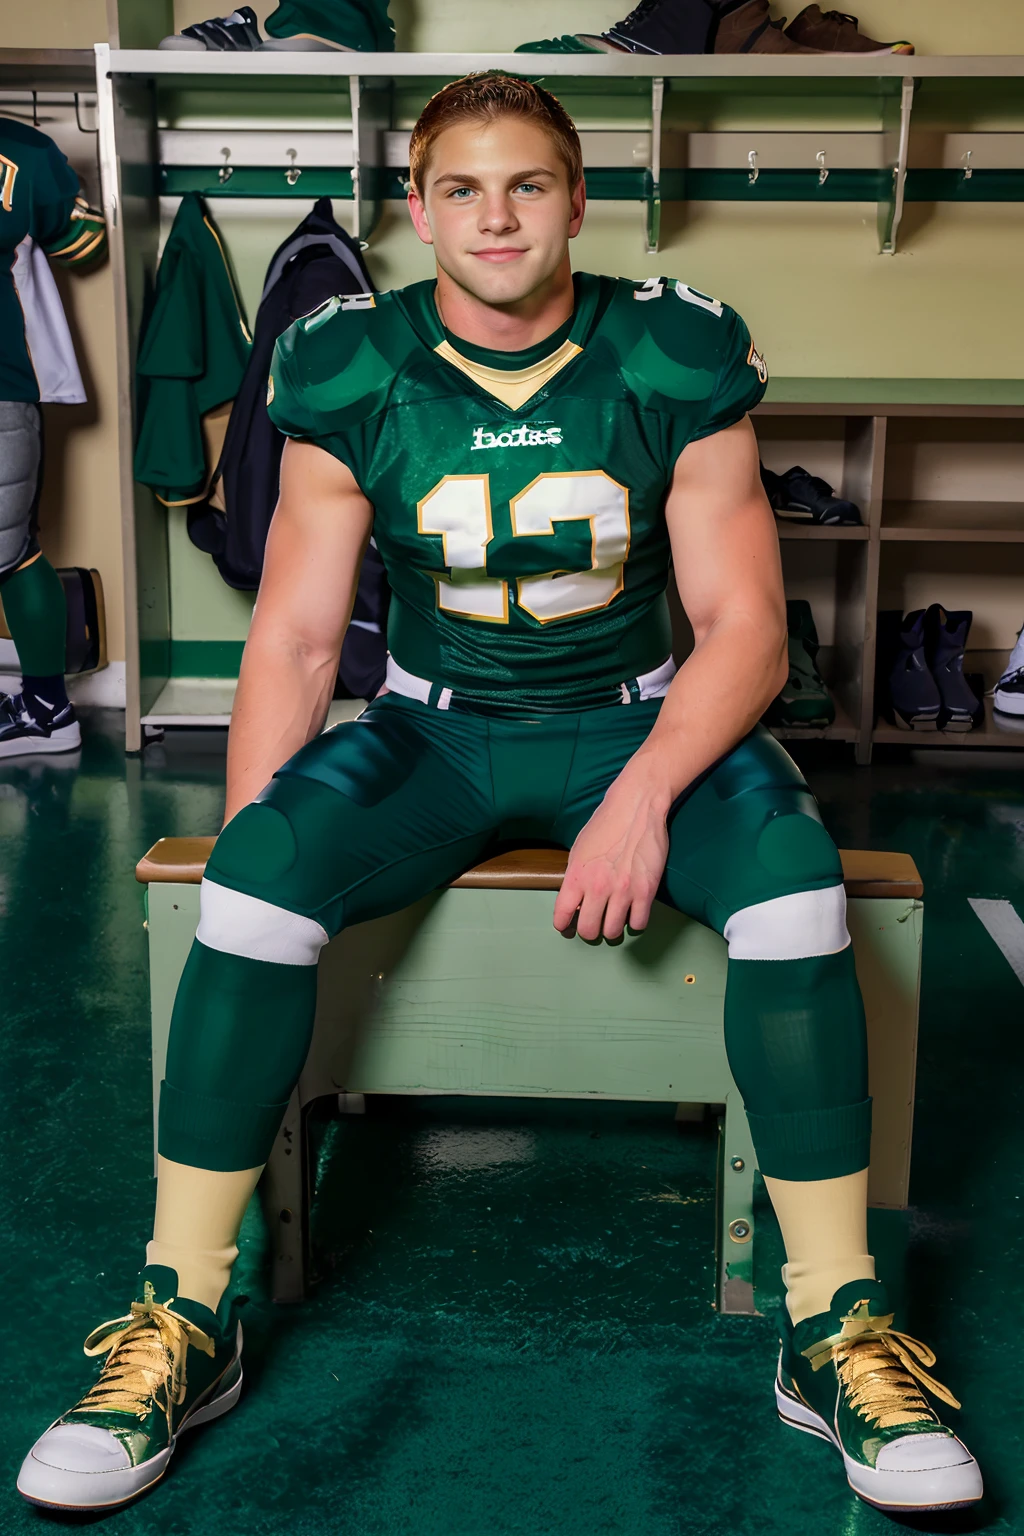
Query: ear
pixel 577 208
pixel 418 214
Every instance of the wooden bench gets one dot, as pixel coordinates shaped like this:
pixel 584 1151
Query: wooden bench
pixel 471 991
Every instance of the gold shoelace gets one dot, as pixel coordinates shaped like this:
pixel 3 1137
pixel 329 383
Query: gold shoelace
pixel 145 1351
pixel 882 1369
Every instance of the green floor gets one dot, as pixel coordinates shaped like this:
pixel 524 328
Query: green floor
pixel 513 1329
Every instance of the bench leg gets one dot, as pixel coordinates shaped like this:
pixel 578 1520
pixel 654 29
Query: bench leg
pixel 283 1188
pixel 735 1212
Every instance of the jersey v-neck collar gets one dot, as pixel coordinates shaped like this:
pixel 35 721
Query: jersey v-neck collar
pixel 512 379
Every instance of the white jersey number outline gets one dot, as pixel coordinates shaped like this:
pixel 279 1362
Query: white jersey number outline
pixel 458 510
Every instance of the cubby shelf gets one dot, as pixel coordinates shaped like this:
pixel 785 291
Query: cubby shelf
pixel 823 532
pixel 999 730
pixel 953 522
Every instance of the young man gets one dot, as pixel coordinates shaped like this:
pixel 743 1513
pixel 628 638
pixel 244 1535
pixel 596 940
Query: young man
pixel 530 449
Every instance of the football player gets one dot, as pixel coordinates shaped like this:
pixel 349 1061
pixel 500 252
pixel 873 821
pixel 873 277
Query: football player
pixel 534 450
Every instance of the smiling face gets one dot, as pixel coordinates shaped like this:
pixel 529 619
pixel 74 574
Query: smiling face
pixel 497 207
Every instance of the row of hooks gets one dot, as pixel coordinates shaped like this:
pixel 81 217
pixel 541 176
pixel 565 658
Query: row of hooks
pixel 291 172
pixel 754 171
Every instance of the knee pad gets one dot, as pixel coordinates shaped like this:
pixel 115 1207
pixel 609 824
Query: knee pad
pixel 794 927
pixel 257 849
pixel 237 924
pixel 19 473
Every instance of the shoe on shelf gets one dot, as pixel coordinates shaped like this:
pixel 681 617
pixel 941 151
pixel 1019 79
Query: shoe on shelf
pixel 946 640
pixel 804 498
pixel 654 26
pixel 1009 691
pixel 27 732
pixel 804 700
pixel 913 692
pixel 169 1367
pixel 836 32
pixel 850 1378
pixel 749 28
pixel 237 33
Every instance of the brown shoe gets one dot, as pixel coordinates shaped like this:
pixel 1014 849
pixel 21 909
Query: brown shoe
pixel 749 29
pixel 835 32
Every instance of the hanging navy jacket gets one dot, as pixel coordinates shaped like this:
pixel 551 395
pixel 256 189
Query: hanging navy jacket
pixel 316 262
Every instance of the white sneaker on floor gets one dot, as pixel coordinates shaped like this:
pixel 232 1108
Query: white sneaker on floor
pixel 23 734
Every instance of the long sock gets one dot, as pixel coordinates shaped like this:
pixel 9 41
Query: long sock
pixel 195 1231
pixel 825 1230
pixel 37 617
pixel 797 1046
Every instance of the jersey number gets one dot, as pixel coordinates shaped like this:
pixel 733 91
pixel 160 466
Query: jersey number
pixel 459 510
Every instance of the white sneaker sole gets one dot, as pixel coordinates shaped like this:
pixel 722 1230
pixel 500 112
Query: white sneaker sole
pixel 1009 703
pixel 879 1488
pixel 67 739
pixel 56 1488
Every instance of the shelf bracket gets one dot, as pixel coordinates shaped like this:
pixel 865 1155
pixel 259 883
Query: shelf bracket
pixel 652 192
pixel 896 126
pixel 371 117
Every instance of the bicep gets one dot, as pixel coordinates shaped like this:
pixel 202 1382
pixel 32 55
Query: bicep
pixel 725 548
pixel 315 547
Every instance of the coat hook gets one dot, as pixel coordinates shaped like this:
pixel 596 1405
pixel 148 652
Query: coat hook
pixel 293 173
pixel 753 173
pixel 226 171
pixel 968 168
pixel 822 168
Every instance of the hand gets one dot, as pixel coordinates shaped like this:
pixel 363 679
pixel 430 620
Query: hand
pixel 615 865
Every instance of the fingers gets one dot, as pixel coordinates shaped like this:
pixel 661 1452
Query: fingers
pixel 640 909
pixel 590 917
pixel 567 901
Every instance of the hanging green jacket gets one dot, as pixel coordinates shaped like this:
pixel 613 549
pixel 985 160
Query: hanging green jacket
pixel 192 356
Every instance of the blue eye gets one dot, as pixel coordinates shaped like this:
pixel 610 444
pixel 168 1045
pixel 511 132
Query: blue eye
pixel 457 193
pixel 527 186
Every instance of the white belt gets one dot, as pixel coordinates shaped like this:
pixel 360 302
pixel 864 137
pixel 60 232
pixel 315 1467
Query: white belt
pixel 649 685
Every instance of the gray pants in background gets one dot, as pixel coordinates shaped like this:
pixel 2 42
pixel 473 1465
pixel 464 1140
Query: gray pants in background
pixel 20 456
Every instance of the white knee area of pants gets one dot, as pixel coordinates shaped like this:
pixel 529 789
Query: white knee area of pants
pixel 790 927
pixel 243 925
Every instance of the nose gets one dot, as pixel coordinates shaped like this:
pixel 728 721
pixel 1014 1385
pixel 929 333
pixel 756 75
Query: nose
pixel 497 214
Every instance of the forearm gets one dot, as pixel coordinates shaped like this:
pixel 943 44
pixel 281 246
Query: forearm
pixel 716 697
pixel 284 692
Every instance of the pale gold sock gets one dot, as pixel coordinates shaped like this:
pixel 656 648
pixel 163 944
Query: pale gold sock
pixel 195 1231
pixel 825 1229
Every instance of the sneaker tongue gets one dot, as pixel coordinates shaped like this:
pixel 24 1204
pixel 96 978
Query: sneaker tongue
pixel 159 1283
pixel 858 1297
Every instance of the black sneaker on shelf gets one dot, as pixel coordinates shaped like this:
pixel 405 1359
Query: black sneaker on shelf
pixel 913 692
pixel 25 732
pixel 237 33
pixel 946 640
pixel 654 26
pixel 800 497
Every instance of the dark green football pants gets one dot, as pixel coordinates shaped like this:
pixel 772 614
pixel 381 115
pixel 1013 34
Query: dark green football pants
pixel 373 815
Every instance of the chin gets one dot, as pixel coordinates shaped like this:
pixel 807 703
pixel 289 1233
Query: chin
pixel 500 285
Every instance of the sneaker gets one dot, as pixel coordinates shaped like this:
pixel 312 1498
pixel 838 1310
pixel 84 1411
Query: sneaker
pixel 946 639
pixel 804 700
pixel 24 732
pixel 119 1439
pixel 913 691
pixel 835 32
pixel 658 26
pixel 802 498
pixel 749 29
pixel 1009 691
pixel 848 1377
pixel 237 33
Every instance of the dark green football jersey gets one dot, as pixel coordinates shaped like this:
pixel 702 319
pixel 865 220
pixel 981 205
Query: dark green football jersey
pixel 519 498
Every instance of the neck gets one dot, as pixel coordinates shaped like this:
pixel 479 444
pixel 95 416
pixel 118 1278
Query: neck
pixel 506 327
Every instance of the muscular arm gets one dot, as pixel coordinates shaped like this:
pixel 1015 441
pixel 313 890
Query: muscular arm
pixel 726 556
pixel 317 538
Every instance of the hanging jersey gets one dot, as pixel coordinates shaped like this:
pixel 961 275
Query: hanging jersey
pixel 520 512
pixel 38 197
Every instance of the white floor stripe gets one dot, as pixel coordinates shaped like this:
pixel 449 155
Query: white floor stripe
pixel 1004 928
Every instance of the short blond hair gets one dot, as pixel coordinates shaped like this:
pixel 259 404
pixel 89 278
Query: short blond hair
pixel 484 97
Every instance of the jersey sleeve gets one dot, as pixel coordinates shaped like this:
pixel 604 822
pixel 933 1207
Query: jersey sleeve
pixel 287 402
pixel 740 381
pixel 54 191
